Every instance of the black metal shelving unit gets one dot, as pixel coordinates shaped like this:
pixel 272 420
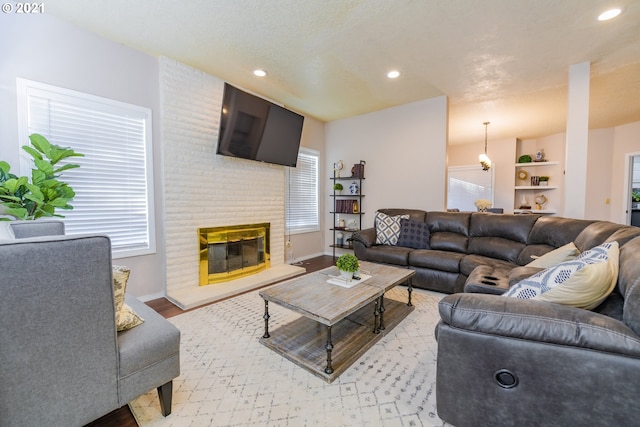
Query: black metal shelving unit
pixel 343 205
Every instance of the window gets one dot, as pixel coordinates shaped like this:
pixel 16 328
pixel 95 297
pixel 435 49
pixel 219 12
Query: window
pixel 114 184
pixel 303 213
pixel 468 184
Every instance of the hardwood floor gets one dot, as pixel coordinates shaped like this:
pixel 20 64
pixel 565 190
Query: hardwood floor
pixel 123 417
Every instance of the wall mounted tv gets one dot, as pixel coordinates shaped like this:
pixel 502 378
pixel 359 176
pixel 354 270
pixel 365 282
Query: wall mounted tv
pixel 256 129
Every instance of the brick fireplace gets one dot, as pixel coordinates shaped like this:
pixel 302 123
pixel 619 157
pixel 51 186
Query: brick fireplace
pixel 202 190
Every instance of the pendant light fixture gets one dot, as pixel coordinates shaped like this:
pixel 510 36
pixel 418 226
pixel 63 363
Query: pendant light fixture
pixel 485 161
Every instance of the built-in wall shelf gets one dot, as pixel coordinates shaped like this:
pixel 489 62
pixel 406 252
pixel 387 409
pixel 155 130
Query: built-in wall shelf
pixel 536 164
pixel 536 187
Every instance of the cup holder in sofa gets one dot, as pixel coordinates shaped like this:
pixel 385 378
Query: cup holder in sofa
pixel 505 378
pixel 486 282
pixel 491 278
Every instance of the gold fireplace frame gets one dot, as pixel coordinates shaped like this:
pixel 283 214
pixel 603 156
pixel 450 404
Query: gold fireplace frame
pixel 232 233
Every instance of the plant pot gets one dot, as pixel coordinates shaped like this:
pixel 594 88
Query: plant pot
pixel 544 183
pixel 346 275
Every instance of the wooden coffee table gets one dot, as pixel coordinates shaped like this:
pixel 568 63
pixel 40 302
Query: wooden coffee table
pixel 354 317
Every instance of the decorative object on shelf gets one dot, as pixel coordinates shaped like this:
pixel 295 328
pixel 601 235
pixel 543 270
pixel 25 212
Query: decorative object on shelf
pixel 356 208
pixel 357 171
pixel 523 175
pixel 535 180
pixel 354 188
pixel 347 264
pixel 540 156
pixel 337 187
pixel 483 205
pixel 544 180
pixel 339 239
pixel 353 225
pixel 484 159
pixel 525 158
pixel 341 223
pixel 524 204
pixel 541 200
pixel 337 167
pixel 41 194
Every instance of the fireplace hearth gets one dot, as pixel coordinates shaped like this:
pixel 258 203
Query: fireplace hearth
pixel 231 252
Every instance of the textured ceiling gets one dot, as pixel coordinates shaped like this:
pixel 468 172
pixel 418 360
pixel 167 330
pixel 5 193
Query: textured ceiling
pixel 503 61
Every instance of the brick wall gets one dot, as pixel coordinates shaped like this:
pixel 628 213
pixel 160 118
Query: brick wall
pixel 202 189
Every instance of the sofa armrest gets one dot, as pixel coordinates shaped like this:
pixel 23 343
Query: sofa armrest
pixel 538 321
pixel 367 237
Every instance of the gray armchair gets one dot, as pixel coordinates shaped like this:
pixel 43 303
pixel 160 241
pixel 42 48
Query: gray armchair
pixel 61 360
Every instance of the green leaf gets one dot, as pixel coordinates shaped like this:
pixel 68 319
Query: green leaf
pixel 35 190
pixel 37 176
pixel 34 153
pixel 18 213
pixel 40 143
pixel 59 202
pixel 60 153
pixel 4 167
pixel 44 166
pixel 66 167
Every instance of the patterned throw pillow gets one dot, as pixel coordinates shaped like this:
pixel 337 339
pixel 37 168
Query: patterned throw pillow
pixel 413 234
pixel 388 228
pixel 126 318
pixel 583 282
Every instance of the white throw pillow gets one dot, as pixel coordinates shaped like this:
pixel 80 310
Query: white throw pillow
pixel 556 256
pixel 6 231
pixel 583 282
pixel 388 228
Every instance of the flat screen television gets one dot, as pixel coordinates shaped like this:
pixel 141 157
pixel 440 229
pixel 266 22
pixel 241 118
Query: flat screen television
pixel 256 129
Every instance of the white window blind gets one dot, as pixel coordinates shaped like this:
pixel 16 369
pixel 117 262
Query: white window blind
pixel 468 184
pixel 114 182
pixel 302 194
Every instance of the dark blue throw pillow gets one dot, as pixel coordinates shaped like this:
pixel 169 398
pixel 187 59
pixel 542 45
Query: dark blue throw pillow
pixel 413 234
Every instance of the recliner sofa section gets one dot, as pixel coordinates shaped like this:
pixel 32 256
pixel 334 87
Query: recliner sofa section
pixel 460 242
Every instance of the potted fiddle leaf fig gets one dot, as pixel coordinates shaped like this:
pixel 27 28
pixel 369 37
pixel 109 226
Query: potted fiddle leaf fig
pixel 23 197
pixel 347 264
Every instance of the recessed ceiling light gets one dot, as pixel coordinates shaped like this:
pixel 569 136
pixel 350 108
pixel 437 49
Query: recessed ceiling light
pixel 393 74
pixel 609 14
pixel 259 73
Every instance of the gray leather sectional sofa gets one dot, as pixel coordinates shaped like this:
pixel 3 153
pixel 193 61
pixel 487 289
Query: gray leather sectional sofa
pixel 459 242
pixel 515 362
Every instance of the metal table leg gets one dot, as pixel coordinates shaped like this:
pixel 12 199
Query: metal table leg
pixel 329 347
pixel 266 319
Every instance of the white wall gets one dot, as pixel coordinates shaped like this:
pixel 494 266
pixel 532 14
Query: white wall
pixel 599 174
pixel 45 49
pixel 626 139
pixel 309 245
pixel 502 154
pixel 405 150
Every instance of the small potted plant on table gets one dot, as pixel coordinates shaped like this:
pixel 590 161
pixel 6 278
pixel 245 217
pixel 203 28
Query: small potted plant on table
pixel 347 264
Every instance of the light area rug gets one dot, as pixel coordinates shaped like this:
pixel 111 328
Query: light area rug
pixel 229 379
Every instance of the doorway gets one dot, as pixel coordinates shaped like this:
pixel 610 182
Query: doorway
pixel 633 195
